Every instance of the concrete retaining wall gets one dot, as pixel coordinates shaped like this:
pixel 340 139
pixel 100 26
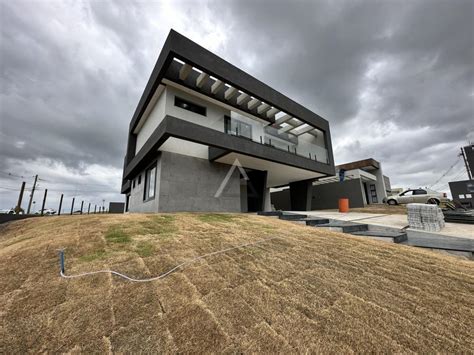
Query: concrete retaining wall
pixel 326 196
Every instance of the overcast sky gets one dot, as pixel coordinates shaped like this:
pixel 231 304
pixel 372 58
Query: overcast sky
pixel 395 80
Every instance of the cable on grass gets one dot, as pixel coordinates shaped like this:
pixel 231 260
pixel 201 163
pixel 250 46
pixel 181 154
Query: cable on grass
pixel 177 267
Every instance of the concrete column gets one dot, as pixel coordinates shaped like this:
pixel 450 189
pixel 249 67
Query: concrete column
pixel 380 184
pixel 300 195
pixel 267 203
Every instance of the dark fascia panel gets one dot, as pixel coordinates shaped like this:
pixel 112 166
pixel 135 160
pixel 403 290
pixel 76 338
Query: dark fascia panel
pixel 126 186
pixel 360 164
pixel 180 47
pixel 177 128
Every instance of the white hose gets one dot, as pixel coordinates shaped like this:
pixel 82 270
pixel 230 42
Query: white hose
pixel 169 271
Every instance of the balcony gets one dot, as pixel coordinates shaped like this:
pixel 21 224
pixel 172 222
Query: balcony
pixel 300 145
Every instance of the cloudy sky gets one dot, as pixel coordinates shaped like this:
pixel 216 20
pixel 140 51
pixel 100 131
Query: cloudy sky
pixel 395 79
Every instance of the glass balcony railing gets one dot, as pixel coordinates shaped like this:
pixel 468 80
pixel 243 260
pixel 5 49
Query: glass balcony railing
pixel 282 141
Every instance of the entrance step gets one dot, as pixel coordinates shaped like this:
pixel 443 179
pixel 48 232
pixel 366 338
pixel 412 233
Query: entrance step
pixel 315 221
pixel 345 227
pixel 270 213
pixel 395 237
pixel 292 216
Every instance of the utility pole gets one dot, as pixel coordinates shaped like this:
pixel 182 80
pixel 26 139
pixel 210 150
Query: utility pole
pixel 60 204
pixel 20 198
pixel 44 200
pixel 31 195
pixel 469 172
pixel 72 205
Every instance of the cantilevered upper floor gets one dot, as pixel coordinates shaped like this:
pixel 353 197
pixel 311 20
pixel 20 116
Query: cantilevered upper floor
pixel 197 104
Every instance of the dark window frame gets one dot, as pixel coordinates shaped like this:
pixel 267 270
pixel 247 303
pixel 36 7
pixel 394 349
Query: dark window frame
pixel 152 166
pixel 423 192
pixel 190 106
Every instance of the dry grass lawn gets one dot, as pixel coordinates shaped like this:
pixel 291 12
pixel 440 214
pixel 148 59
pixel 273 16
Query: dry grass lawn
pixel 310 291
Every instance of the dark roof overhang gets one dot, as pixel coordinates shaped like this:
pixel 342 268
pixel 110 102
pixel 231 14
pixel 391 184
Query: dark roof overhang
pixel 360 164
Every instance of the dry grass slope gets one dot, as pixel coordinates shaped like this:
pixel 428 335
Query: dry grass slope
pixel 312 290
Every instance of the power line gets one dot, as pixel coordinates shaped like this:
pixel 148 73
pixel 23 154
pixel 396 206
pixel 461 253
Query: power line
pixel 447 171
pixel 13 175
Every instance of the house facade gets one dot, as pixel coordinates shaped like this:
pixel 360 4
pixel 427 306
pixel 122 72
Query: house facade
pixel 207 136
pixel 362 182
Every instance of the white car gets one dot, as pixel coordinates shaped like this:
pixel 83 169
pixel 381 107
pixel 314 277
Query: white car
pixel 10 211
pixel 416 196
pixel 47 211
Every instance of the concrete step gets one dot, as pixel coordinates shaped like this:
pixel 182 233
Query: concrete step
pixel 395 237
pixel 345 227
pixel 292 216
pixel 269 213
pixel 315 221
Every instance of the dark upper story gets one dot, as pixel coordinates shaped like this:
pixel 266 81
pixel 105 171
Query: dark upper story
pixel 188 66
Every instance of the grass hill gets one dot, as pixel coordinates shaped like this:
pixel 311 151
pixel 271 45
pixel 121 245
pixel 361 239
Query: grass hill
pixel 309 290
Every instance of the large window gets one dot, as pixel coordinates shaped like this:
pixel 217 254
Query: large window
pixel 237 128
pixel 150 182
pixel 190 106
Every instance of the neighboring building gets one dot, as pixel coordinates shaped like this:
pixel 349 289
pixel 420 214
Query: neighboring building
pixel 207 136
pixel 363 183
pixel 463 192
pixel 116 207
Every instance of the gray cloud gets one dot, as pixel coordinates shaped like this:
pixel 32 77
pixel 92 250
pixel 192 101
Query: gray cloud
pixel 395 78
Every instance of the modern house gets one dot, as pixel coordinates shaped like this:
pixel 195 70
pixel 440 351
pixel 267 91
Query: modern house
pixel 362 182
pixel 206 136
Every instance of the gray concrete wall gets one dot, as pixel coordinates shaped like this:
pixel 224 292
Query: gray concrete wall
pixel 189 184
pixel 326 196
pixel 281 200
pixel 136 203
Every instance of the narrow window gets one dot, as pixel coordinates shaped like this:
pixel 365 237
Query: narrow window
pixel 139 179
pixel 133 183
pixel 190 106
pixel 150 178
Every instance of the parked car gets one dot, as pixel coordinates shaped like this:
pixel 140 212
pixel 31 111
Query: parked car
pixel 47 211
pixel 9 211
pixel 416 196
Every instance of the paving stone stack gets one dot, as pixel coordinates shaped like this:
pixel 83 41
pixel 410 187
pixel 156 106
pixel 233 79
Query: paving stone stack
pixel 426 217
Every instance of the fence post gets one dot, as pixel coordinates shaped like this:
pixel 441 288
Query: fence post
pixel 82 205
pixel 95 209
pixel 72 205
pixel 44 200
pixel 89 208
pixel 60 204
